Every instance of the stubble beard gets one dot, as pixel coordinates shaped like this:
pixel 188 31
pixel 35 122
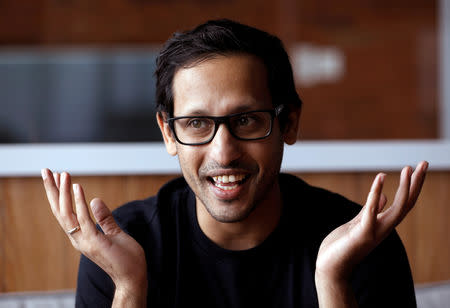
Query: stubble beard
pixel 221 210
pixel 225 211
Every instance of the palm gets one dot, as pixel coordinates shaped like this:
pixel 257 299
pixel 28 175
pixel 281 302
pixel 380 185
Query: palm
pixel 348 244
pixel 124 255
pixel 117 253
pixel 344 247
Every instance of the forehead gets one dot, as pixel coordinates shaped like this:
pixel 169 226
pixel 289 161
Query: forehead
pixel 221 85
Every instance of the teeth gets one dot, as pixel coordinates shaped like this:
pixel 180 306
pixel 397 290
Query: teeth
pixel 228 187
pixel 225 179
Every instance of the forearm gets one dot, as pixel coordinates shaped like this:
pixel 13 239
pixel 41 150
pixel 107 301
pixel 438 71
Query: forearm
pixel 134 297
pixel 334 294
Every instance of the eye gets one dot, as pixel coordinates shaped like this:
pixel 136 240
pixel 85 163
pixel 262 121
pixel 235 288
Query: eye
pixel 244 120
pixel 197 123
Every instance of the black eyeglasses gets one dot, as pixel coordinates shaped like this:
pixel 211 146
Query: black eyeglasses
pixel 250 125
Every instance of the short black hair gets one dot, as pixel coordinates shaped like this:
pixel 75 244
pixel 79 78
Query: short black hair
pixel 225 37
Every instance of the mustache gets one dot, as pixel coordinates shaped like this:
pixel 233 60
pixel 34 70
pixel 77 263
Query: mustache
pixel 213 165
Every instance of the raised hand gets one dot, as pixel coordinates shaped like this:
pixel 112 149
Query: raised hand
pixel 117 253
pixel 347 245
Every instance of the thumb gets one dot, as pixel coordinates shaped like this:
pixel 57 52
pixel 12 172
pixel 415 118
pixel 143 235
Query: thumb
pixel 104 218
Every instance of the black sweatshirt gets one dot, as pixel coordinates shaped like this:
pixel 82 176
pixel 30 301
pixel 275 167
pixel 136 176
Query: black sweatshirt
pixel 186 269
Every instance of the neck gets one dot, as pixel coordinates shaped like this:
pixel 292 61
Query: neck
pixel 248 233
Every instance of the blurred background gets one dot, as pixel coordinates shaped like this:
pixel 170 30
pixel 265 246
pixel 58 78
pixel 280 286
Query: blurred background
pixel 81 71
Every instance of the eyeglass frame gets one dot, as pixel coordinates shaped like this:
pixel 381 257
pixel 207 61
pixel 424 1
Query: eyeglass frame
pixel 226 120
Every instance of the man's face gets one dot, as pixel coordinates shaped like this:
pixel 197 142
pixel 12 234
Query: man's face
pixel 229 177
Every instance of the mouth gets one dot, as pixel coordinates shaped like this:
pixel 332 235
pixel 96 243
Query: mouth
pixel 228 181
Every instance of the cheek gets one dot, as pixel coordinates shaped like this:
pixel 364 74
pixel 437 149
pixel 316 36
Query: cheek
pixel 190 160
pixel 270 150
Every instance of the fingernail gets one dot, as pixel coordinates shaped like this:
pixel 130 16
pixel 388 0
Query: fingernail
pixel 75 187
pixel 408 171
pixel 43 174
pixel 425 167
pixel 92 203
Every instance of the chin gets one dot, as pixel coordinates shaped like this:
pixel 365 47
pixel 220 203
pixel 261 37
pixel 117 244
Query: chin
pixel 228 215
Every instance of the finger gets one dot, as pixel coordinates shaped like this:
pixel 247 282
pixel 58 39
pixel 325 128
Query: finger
pixel 417 181
pixel 68 218
pixel 51 190
pixel 375 191
pixel 56 178
pixel 83 217
pixel 370 210
pixel 382 203
pixel 394 214
pixel 104 217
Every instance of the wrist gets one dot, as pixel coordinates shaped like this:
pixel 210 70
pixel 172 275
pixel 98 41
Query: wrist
pixel 132 280
pixel 334 292
pixel 327 281
pixel 136 287
pixel 132 295
pixel 337 274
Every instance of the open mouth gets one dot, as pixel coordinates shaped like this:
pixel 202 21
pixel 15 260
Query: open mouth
pixel 228 182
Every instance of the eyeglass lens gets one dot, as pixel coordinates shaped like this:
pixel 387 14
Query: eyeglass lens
pixel 251 125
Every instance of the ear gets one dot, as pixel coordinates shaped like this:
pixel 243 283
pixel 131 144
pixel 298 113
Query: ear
pixel 169 139
pixel 292 125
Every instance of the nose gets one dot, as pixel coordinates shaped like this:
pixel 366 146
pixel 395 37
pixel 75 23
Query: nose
pixel 224 148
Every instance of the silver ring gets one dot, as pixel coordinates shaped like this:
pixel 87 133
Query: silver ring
pixel 72 231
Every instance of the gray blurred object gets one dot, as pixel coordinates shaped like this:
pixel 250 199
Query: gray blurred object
pixel 77 95
pixel 433 295
pixel 50 299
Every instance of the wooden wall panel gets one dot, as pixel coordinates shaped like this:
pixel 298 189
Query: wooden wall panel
pixel 36 255
pixel 431 237
pixel 2 237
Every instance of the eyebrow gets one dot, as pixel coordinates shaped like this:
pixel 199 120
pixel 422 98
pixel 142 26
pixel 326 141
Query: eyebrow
pixel 239 109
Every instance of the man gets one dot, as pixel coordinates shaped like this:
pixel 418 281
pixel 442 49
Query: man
pixel 234 232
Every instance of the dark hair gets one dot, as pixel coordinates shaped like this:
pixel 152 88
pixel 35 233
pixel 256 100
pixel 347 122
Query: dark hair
pixel 224 37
